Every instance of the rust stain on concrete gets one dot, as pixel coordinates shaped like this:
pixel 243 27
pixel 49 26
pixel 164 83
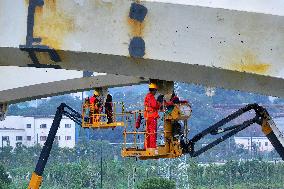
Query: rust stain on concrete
pixel 136 22
pixel 44 58
pixel 51 24
pixel 250 63
pixel 136 27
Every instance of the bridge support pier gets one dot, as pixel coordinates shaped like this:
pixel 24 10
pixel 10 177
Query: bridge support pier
pixel 3 110
pixel 165 87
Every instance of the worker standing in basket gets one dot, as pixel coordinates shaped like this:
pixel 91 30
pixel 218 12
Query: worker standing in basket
pixel 174 101
pixel 151 115
pixel 109 109
pixel 95 104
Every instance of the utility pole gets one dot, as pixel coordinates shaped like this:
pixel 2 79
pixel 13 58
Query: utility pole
pixel 133 177
pixel 251 145
pixel 147 174
pixel 230 147
pixel 101 165
pixel 170 172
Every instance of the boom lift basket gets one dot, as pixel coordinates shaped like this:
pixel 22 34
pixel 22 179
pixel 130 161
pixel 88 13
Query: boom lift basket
pixel 171 145
pixel 92 116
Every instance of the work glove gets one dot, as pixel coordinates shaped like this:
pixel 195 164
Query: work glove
pixel 160 98
pixel 176 100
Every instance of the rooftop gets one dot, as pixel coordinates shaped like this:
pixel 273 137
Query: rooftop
pixel 11 129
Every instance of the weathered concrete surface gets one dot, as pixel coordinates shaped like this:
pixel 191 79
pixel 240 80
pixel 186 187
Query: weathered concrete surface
pixel 65 86
pixel 14 77
pixel 176 42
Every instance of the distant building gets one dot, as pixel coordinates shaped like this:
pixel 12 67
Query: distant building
pixel 29 131
pixel 261 142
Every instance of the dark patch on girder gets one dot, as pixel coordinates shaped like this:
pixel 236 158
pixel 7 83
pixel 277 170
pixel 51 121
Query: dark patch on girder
pixel 87 74
pixel 32 48
pixel 137 47
pixel 138 12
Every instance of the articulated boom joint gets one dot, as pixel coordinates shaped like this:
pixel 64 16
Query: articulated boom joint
pixel 261 118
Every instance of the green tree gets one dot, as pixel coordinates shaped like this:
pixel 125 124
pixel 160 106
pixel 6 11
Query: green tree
pixel 5 181
pixel 45 106
pixel 157 183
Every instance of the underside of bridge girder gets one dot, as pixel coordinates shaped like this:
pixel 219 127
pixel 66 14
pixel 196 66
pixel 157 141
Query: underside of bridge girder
pixel 215 47
pixel 32 92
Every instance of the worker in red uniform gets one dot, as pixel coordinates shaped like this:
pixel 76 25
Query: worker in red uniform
pixel 151 115
pixel 95 103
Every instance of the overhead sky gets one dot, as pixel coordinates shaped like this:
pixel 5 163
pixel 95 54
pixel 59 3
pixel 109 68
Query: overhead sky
pixel 275 7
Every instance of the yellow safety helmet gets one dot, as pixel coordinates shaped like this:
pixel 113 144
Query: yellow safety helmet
pixel 153 86
pixel 96 93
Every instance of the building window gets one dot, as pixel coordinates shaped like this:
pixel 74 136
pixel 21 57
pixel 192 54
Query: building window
pixel 43 126
pixel 5 138
pixel 67 125
pixel 29 126
pixel 18 138
pixel 57 137
pixel 67 137
pixel 29 138
pixel 266 144
pixel 43 138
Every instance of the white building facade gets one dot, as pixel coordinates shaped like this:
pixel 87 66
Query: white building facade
pixel 29 131
pixel 261 142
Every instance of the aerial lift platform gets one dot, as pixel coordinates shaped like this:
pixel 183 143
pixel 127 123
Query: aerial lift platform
pixel 173 146
pixel 93 120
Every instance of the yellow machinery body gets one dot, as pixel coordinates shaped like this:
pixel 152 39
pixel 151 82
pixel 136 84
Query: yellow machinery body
pixel 92 116
pixel 171 147
pixel 35 181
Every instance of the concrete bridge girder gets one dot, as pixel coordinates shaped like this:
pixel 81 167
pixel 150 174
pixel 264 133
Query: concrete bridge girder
pixel 32 92
pixel 15 77
pixel 54 88
pixel 175 42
